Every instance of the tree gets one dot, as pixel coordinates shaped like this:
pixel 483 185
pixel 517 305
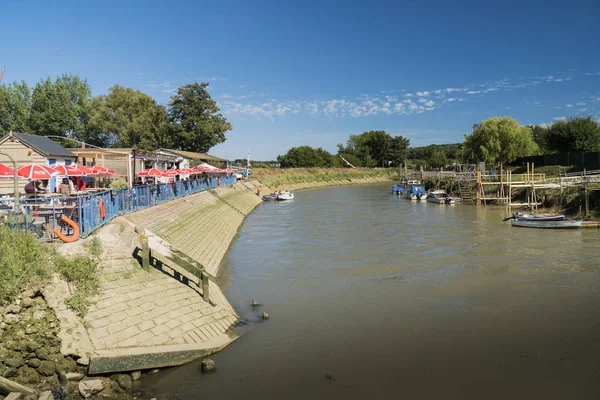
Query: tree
pixel 540 136
pixel 398 150
pixel 437 159
pixel 61 107
pixel 127 118
pixel 195 121
pixel 375 148
pixel 576 134
pixel 305 157
pixel 499 140
pixel 15 107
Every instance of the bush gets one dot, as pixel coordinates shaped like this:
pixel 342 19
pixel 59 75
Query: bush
pixel 22 261
pixel 119 184
pixel 80 273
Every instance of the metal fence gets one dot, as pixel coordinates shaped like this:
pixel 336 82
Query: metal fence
pixel 50 217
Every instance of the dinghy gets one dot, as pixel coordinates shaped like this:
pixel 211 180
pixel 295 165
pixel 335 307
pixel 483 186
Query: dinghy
pixel 564 224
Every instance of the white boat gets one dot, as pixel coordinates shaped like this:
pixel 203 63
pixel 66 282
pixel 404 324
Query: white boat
pixel 415 192
pixel 285 196
pixel 565 224
pixel 439 197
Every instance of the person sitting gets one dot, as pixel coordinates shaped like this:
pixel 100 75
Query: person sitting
pixel 64 188
pixel 32 188
pixel 80 184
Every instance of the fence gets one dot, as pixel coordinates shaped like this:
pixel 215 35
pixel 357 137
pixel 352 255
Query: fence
pixel 563 159
pixel 47 217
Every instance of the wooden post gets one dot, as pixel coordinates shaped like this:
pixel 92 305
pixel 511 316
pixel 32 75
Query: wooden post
pixel 205 288
pixel 145 252
pixel 586 196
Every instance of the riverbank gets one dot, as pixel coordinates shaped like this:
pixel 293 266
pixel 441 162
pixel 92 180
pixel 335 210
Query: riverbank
pixel 304 178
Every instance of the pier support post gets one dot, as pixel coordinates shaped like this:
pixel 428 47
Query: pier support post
pixel 145 252
pixel 205 288
pixel 586 196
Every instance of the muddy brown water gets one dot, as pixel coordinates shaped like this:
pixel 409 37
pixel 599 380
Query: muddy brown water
pixel 375 296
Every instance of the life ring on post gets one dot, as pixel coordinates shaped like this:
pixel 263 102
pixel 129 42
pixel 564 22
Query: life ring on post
pixel 102 209
pixel 65 238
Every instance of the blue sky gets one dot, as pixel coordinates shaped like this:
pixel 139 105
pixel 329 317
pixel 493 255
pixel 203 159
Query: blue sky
pixel 294 73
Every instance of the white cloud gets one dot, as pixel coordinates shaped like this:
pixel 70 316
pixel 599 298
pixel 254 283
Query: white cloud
pixel 421 94
pixel 560 118
pixel 430 103
pixel 408 94
pixel 568 105
pixel 595 73
pixel 474 92
pixel 165 84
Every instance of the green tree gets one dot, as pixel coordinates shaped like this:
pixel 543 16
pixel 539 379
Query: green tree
pixel 305 157
pixel 499 139
pixel 127 118
pixel 373 148
pixel 195 121
pixel 398 150
pixel 61 107
pixel 574 135
pixel 437 159
pixel 540 136
pixel 15 107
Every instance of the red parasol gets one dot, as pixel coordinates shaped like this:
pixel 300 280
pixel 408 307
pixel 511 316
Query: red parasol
pixel 35 171
pixel 102 171
pixel 69 170
pixel 150 172
pixel 6 171
pixel 171 172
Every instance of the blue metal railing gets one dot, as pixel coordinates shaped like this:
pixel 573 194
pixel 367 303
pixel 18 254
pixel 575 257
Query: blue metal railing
pixel 41 216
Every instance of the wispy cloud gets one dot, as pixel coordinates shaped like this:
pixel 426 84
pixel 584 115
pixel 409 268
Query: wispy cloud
pixel 165 84
pixel 387 102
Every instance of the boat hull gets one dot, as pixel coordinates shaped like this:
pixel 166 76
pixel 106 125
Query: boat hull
pixel 440 201
pixel 567 224
pixel 283 197
pixel 532 217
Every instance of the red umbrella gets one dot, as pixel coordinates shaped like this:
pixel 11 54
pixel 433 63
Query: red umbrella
pixel 69 170
pixel 86 169
pixel 102 171
pixel 150 172
pixel 6 171
pixel 187 171
pixel 35 171
pixel 171 172
pixel 201 168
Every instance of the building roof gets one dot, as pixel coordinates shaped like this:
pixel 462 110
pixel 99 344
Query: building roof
pixel 140 154
pixel 192 155
pixel 41 144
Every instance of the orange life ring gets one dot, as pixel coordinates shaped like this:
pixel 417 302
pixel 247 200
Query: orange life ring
pixel 102 209
pixel 65 238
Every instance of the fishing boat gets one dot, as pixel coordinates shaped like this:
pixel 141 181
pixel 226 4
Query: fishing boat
pixel 439 197
pixel 533 217
pixel 415 192
pixel 396 189
pixel 564 224
pixel 285 196
pixel 270 197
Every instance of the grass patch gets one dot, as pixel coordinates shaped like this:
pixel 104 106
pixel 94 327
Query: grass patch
pixel 94 246
pixel 279 177
pixel 24 261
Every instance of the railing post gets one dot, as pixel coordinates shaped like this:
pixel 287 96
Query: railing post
pixel 205 287
pixel 145 252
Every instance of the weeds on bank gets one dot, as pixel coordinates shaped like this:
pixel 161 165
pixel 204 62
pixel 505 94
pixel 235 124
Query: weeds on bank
pixel 24 261
pixel 280 177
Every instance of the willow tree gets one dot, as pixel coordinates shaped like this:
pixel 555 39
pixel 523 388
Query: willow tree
pixel 499 140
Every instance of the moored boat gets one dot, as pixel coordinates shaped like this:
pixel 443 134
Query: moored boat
pixel 533 217
pixel 396 189
pixel 530 223
pixel 439 197
pixel 285 196
pixel 415 192
pixel 270 197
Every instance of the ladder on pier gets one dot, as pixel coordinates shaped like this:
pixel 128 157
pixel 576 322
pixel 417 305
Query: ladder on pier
pixel 467 192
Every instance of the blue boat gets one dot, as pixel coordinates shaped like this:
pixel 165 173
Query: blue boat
pixel 396 189
pixel 416 192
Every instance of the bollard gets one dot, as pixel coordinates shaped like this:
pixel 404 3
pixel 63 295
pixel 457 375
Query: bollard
pixel 145 252
pixel 205 289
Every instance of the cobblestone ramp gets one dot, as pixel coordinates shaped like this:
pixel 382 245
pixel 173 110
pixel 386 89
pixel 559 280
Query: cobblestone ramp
pixel 202 225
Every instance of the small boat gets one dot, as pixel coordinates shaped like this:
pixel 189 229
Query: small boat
pixel 270 197
pixel 396 189
pixel 415 192
pixel 533 217
pixel 564 224
pixel 285 196
pixel 439 197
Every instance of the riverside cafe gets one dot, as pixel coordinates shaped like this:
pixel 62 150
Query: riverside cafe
pixel 49 216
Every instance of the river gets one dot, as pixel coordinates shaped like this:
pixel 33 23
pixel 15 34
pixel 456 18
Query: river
pixel 375 296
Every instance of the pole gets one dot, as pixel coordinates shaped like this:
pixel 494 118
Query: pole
pixel 16 181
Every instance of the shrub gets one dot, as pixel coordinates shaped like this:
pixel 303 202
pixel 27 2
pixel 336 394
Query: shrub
pixel 119 184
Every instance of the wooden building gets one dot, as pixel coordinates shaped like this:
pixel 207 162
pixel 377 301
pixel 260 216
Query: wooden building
pixel 31 149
